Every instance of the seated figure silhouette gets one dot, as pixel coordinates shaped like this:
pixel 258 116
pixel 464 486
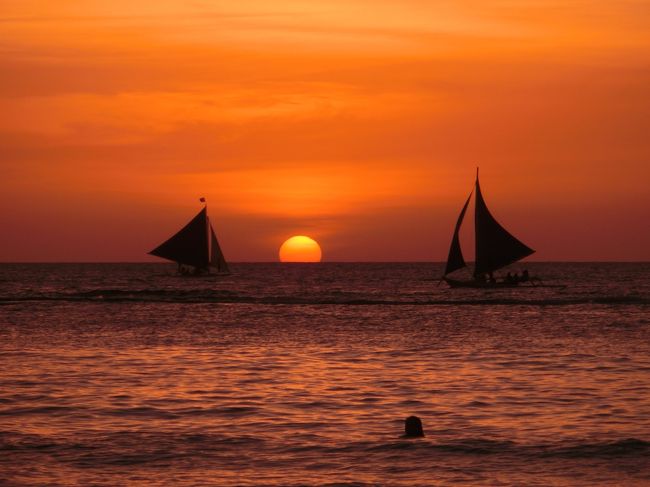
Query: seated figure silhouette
pixel 413 427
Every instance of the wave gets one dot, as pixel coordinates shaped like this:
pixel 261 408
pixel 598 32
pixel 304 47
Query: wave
pixel 227 297
pixel 481 446
pixel 629 446
pixel 203 443
pixel 43 410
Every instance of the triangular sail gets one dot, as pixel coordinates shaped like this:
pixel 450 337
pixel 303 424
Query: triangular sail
pixel 217 260
pixel 190 245
pixel 455 260
pixel 495 247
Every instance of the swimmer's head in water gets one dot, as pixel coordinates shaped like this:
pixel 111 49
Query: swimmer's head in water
pixel 413 427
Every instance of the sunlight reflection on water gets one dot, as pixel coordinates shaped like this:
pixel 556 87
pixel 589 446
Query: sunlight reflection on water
pixel 248 393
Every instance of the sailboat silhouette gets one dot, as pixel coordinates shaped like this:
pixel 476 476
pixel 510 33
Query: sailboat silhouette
pixel 194 247
pixel 495 247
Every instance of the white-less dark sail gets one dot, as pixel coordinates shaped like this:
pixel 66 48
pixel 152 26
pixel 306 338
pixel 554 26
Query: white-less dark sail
pixel 217 260
pixel 190 245
pixel 495 247
pixel 455 260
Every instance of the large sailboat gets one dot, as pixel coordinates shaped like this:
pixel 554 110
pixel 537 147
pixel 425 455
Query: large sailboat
pixel 194 247
pixel 495 248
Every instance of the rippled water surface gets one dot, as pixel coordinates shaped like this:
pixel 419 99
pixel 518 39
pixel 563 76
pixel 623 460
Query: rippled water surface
pixel 303 375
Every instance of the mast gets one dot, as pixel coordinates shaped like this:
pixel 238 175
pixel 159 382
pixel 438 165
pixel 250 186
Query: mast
pixel 477 188
pixel 216 257
pixel 207 229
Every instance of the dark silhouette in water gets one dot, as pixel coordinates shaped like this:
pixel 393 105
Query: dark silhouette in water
pixel 413 427
pixel 194 247
pixel 495 247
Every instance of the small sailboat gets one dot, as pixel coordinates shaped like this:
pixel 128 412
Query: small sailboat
pixel 495 248
pixel 194 247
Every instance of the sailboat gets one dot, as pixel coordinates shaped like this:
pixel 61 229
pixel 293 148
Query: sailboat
pixel 495 247
pixel 194 247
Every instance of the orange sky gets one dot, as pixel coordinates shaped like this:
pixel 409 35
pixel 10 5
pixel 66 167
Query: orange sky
pixel 356 122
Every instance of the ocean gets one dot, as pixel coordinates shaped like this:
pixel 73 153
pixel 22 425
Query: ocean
pixel 303 374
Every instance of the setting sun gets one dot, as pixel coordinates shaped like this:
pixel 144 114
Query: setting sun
pixel 300 249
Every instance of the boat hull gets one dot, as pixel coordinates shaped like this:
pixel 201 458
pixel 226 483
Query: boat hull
pixel 474 284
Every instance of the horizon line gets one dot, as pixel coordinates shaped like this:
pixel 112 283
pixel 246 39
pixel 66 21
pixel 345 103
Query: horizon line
pixel 330 262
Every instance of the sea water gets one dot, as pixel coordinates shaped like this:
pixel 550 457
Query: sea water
pixel 303 375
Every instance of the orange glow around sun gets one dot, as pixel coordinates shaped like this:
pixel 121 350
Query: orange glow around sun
pixel 300 249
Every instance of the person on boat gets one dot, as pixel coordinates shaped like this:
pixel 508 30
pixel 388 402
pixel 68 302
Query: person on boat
pixel 515 278
pixel 200 271
pixel 525 276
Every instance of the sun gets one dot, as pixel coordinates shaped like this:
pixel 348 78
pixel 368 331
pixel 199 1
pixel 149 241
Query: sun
pixel 300 249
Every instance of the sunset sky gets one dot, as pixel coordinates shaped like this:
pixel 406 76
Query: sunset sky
pixel 358 123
